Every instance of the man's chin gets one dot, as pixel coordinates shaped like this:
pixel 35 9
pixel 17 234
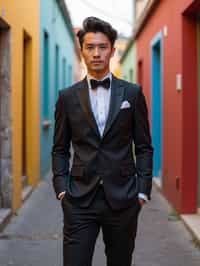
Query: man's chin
pixel 97 68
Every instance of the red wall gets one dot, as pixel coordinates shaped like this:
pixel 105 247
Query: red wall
pixel 179 131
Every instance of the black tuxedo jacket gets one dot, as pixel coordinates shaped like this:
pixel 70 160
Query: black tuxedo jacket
pixel 108 158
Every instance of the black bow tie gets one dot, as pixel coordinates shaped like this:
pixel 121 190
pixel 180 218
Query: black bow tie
pixel 103 83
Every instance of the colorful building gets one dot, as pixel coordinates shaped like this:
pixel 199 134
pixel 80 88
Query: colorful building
pixel 120 46
pixel 56 63
pixel 79 67
pixel 19 102
pixel 77 63
pixel 167 36
pixel 128 64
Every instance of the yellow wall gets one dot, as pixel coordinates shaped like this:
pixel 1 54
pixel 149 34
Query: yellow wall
pixel 23 16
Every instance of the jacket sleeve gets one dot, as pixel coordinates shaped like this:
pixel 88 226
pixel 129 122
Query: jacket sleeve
pixel 143 147
pixel 61 147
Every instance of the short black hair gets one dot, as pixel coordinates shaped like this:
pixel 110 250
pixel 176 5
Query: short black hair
pixel 93 24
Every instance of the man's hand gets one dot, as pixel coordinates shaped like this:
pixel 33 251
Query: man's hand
pixel 141 201
pixel 142 198
pixel 61 195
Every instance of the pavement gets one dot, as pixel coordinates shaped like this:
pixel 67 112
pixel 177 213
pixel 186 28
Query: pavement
pixel 34 235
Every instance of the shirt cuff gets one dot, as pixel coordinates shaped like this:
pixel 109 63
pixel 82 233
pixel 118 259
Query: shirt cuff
pixel 143 196
pixel 61 194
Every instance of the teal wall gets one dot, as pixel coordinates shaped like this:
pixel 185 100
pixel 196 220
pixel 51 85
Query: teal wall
pixel 128 65
pixel 56 63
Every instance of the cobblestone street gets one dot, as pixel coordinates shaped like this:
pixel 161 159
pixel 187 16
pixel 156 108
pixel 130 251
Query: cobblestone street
pixel 34 236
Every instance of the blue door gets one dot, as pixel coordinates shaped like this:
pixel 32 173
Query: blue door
pixel 156 103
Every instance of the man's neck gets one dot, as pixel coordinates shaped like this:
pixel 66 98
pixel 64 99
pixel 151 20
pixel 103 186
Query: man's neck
pixel 98 76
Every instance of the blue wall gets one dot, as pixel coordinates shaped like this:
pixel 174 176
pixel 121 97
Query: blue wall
pixel 56 57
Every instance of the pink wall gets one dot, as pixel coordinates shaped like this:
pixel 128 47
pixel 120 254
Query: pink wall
pixel 179 153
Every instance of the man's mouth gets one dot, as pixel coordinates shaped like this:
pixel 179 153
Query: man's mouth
pixel 97 62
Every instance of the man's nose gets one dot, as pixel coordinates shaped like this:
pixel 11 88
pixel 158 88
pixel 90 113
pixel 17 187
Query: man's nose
pixel 96 52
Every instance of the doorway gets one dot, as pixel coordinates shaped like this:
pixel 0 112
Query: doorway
pixel 5 117
pixel 198 40
pixel 140 72
pixel 156 103
pixel 26 105
pixel 57 70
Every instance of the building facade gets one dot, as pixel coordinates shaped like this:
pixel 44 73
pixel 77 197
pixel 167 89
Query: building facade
pixel 139 7
pixel 56 69
pixel 79 68
pixel 168 49
pixel 120 46
pixel 19 101
pixel 128 64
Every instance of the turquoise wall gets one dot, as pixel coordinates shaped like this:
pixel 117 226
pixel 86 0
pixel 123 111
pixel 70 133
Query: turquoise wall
pixel 56 63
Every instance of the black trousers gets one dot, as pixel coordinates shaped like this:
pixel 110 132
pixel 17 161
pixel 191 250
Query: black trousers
pixel 82 225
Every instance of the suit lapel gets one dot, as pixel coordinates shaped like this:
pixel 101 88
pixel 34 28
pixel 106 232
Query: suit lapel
pixel 117 94
pixel 83 95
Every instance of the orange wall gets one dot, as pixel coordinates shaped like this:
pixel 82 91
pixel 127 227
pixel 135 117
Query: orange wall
pixel 23 15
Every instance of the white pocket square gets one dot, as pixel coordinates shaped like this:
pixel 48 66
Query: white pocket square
pixel 125 104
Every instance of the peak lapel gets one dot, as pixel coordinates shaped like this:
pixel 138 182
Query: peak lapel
pixel 117 94
pixel 83 95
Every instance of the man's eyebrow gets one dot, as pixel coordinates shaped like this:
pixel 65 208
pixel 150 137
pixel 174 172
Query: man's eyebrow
pixel 103 43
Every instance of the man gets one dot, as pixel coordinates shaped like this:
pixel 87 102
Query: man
pixel 101 116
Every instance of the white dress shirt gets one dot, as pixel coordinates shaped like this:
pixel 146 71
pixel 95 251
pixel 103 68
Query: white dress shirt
pixel 100 102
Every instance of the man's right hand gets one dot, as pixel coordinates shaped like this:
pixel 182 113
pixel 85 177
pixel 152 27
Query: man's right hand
pixel 61 195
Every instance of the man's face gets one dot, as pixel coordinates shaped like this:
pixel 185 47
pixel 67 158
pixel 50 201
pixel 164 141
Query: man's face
pixel 97 52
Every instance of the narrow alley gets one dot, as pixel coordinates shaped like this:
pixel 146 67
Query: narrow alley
pixel 34 236
pixel 140 120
